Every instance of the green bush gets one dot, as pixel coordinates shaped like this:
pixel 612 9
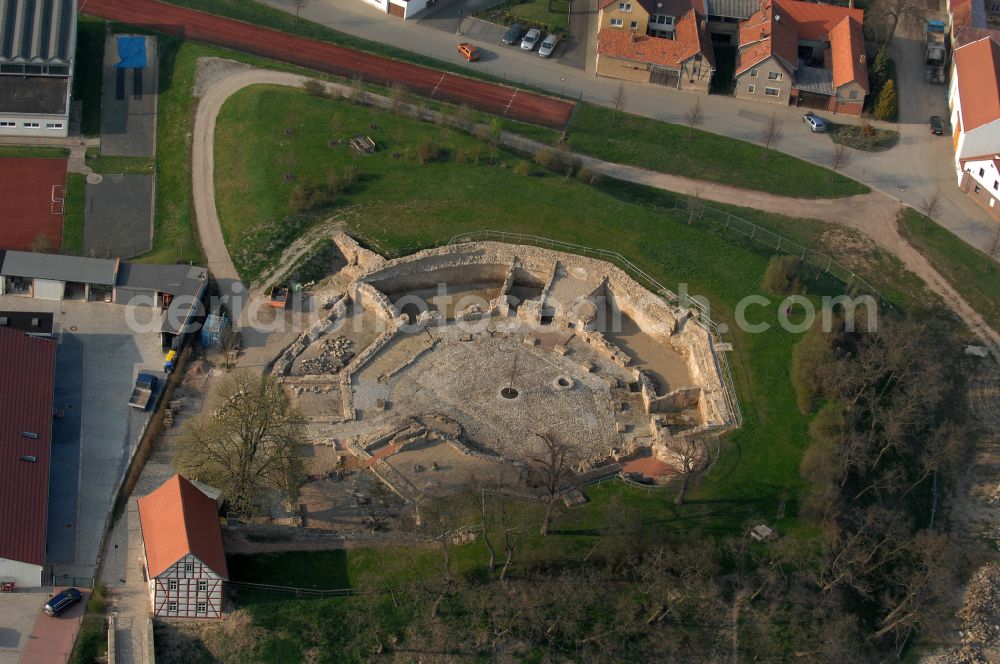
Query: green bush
pixel 782 275
pixel 808 355
pixel 887 106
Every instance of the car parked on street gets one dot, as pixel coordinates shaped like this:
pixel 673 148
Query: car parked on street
pixel 815 123
pixel 937 125
pixel 469 52
pixel 59 603
pixel 530 40
pixel 548 45
pixel 513 34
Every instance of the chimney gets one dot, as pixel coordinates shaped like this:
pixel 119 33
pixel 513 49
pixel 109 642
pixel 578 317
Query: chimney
pixel 633 36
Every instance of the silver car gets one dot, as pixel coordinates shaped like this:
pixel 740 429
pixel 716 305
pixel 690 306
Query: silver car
pixel 548 45
pixel 530 40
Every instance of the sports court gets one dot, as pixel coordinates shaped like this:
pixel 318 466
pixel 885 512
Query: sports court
pixel 32 201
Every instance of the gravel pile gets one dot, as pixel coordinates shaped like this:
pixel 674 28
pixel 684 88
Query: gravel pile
pixel 980 613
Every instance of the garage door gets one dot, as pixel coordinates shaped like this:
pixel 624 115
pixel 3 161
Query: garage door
pixel 668 77
pixel 397 10
pixel 46 289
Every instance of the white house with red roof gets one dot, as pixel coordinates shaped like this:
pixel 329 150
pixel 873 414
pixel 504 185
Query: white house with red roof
pixel 27 380
pixel 655 41
pixel 805 54
pixel 184 559
pixel 974 99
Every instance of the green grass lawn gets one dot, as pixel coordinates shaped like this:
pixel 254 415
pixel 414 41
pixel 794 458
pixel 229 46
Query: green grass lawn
pixel 533 13
pixel 969 270
pixel 87 72
pixel 659 146
pixel 120 165
pixel 35 152
pixel 76 192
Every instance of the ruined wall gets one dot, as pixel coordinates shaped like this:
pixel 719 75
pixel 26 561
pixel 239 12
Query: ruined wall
pixel 359 260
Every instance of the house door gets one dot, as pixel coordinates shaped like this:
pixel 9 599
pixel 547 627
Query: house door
pixel 668 77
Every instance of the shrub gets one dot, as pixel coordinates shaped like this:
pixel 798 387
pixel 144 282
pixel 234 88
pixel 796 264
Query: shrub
pixel 315 88
pixel 523 168
pixel 808 355
pixel 424 151
pixel 782 275
pixel 887 105
pixel 549 159
pixel 587 175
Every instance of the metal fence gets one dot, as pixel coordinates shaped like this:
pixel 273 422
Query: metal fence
pixel 640 275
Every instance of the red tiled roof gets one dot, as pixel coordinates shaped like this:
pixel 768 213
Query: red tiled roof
pixel 618 43
pixel 847 50
pixel 978 68
pixel 176 520
pixel 961 13
pixel 761 36
pixel 815 21
pixel 27 379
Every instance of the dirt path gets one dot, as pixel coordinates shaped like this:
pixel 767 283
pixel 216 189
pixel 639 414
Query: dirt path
pixel 873 214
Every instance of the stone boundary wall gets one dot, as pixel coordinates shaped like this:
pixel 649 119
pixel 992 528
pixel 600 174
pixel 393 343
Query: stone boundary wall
pixel 359 259
pixel 690 338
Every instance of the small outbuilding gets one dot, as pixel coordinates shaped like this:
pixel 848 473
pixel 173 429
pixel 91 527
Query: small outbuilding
pixel 56 277
pixel 184 559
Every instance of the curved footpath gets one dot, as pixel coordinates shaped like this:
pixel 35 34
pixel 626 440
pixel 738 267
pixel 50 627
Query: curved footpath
pixel 874 214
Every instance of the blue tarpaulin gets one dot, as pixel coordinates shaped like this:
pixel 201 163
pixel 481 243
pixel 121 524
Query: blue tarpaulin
pixel 131 52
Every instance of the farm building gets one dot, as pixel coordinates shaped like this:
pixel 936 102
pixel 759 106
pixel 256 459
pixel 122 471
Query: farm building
pixel 37 48
pixel 27 380
pixel 184 560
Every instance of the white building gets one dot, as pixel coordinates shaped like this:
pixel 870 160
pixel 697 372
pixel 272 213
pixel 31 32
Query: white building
pixel 402 8
pixel 974 99
pixel 184 560
pixel 37 50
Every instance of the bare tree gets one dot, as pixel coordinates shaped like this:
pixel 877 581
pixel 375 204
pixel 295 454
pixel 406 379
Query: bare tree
pixel 618 101
pixel 992 247
pixel 245 444
pixel 41 244
pixel 398 95
pixel 694 116
pixel 695 204
pixel 929 203
pixel 299 6
pixel 840 157
pixel 894 12
pixel 689 456
pixel 554 473
pixel 770 134
pixel 509 531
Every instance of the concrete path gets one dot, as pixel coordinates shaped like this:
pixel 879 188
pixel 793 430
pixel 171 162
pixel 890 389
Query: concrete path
pixel 77 148
pixel 914 170
pixel 874 214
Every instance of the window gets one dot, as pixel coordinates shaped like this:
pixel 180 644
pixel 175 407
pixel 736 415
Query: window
pixel 53 125
pixel 771 92
pixel 634 25
pixel 624 6
pixel 7 123
pixel 202 607
pixel 189 568
pixel 661 19
pixel 854 94
pixel 982 172
pixel 30 125
pixel 774 75
pixel 172 584
pixel 617 23
pixel 203 586
pixel 751 89
pixel 996 185
pixel 753 73
pixel 978 189
pixel 172 606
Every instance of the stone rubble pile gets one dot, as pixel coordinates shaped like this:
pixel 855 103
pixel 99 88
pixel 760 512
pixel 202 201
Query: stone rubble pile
pixel 333 355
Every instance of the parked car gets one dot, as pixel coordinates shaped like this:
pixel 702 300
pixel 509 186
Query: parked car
pixel 514 34
pixel 530 40
pixel 937 125
pixel 469 52
pixel 548 45
pixel 62 601
pixel 815 123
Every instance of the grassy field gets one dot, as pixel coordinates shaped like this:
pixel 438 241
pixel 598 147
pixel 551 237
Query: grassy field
pixel 90 37
pixel 643 142
pixel 969 270
pixel 76 192
pixel 35 152
pixel 659 146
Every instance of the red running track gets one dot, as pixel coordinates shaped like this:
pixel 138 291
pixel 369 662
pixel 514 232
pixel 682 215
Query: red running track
pixel 191 24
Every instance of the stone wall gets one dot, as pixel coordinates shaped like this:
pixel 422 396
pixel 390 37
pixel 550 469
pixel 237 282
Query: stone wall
pixel 359 260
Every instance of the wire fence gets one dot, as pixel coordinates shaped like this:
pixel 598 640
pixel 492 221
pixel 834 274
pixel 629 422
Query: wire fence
pixel 727 221
pixel 646 280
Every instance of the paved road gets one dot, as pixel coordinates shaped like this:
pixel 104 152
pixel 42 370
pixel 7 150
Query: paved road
pixel 910 172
